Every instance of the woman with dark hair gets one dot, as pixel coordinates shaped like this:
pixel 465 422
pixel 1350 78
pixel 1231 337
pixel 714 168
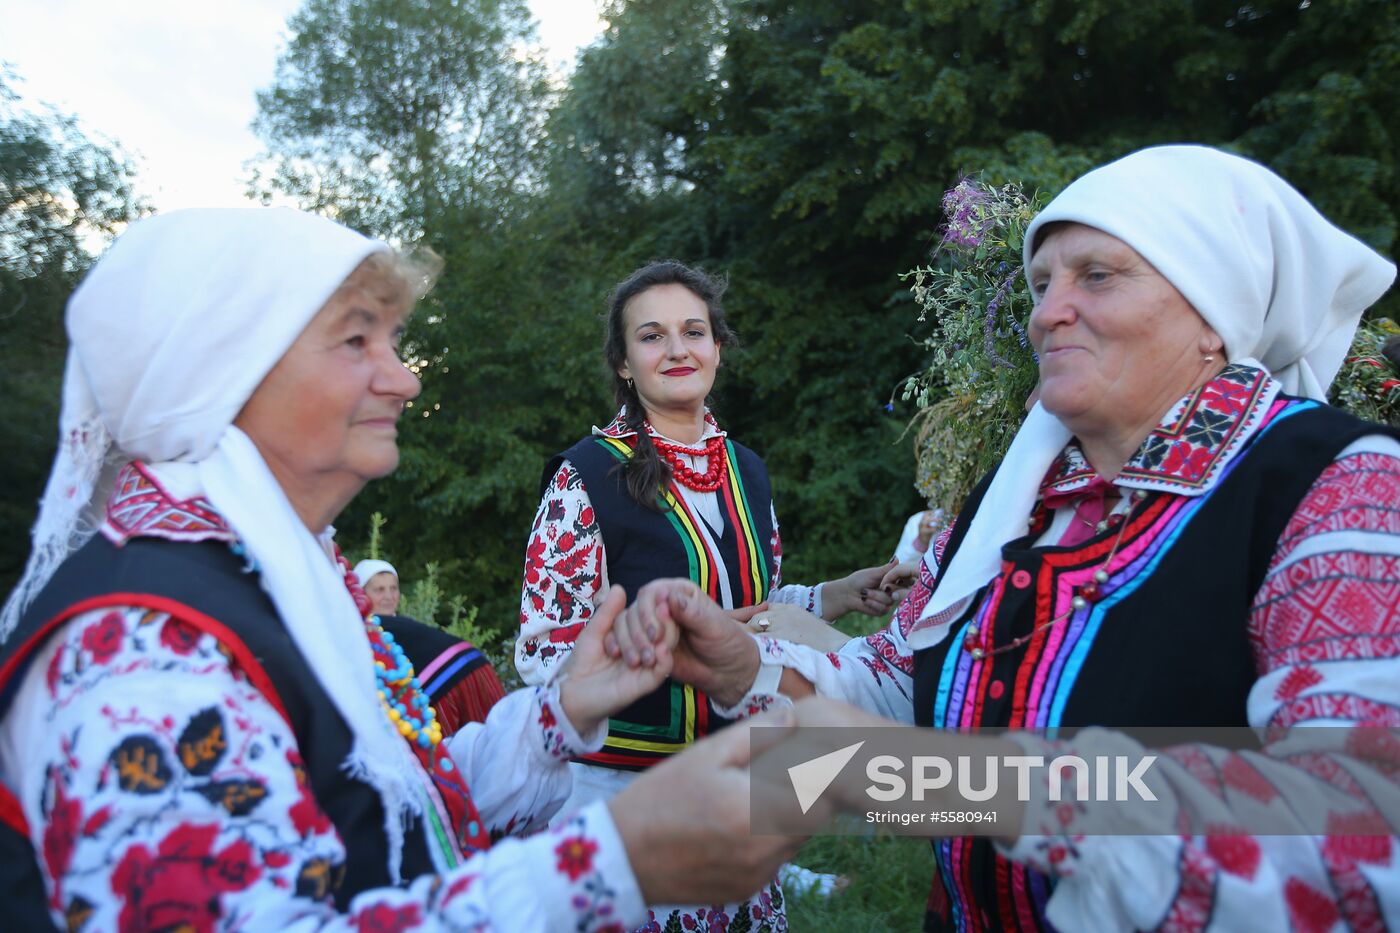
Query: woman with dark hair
pixel 660 492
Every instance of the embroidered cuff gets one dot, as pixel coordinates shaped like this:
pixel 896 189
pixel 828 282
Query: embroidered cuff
pixel 762 693
pixel 794 594
pixel 578 876
pixel 1108 880
pixel 559 740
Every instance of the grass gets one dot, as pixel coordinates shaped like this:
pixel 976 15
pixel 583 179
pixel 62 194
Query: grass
pixel 889 884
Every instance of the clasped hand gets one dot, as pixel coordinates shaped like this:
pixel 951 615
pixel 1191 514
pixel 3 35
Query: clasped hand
pixel 596 682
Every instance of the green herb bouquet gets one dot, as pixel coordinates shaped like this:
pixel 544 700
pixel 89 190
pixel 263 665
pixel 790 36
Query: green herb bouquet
pixel 972 397
pixel 1368 384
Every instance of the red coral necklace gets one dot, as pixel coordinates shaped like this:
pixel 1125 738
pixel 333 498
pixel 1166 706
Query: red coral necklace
pixel 717 463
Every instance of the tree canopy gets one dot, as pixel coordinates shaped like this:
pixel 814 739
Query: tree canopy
pixel 802 148
pixel 62 194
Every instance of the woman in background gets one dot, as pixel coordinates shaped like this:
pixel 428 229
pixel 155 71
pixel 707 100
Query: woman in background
pixel 461 684
pixel 662 491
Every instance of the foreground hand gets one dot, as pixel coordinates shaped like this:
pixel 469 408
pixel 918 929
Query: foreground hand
pixel 796 625
pixel 747 612
pixel 713 654
pixel 685 823
pixel 858 592
pixel 902 576
pixel 595 683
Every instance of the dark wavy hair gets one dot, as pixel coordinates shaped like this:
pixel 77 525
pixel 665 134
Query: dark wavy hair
pixel 647 472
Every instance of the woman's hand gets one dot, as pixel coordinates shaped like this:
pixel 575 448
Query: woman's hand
pixel 796 625
pixel 858 592
pixel 685 823
pixel 596 682
pixel 928 524
pixel 745 613
pixel 900 579
pixel 713 654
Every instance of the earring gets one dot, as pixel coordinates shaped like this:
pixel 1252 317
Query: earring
pixel 629 385
pixel 1209 358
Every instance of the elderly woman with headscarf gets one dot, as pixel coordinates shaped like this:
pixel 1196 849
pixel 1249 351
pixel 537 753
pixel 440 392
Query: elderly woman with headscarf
pixel 458 679
pixel 1182 534
pixel 203 724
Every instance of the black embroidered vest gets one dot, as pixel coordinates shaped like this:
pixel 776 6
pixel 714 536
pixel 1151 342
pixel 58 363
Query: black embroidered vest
pixel 1174 651
pixel 644 545
pixel 207 578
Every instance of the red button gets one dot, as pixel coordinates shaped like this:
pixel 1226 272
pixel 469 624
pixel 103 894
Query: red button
pixel 996 690
pixel 1020 579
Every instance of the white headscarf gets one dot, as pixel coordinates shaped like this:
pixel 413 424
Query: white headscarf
pixel 170 334
pixel 368 567
pixel 1281 285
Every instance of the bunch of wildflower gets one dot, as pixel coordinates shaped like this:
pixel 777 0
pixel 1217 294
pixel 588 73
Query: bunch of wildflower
pixel 981 368
pixel 1368 384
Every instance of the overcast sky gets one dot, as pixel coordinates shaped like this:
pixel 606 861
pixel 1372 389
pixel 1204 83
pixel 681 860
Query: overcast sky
pixel 173 80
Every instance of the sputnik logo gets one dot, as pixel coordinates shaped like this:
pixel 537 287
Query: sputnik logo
pixel 811 778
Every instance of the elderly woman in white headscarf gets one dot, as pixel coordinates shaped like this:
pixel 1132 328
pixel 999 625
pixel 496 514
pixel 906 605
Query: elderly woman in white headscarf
pixel 202 725
pixel 1182 534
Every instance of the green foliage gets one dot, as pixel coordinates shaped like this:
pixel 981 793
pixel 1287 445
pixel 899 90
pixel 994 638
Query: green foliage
pixel 1368 384
pixel 392 114
pixel 61 194
pixel 971 399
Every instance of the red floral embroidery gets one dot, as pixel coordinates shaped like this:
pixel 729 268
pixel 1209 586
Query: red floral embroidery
pixel 179 885
pixel 1347 845
pixel 1311 910
pixel 1297 680
pixel 576 856
pixel 54 672
pixel 1241 775
pixel 60 838
pixel 104 637
pixel 547 716
pixel 1186 460
pixel 1228 397
pixel 381 918
pixel 178 636
pixel 1239 855
pixel 534 562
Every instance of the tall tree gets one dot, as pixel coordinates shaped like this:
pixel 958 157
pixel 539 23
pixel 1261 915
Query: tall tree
pixel 393 113
pixel 424 120
pixel 61 193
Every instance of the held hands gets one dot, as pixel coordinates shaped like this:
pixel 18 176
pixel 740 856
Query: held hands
pixel 901 578
pixel 595 682
pixel 713 653
pixel 858 592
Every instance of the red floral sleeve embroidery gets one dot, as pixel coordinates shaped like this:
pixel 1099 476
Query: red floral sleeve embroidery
pixel 795 594
pixel 163 791
pixel 564 570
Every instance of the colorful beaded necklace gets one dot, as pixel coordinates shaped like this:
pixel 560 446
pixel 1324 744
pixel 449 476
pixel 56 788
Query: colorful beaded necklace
pixel 979 647
pixel 403 696
pixel 717 464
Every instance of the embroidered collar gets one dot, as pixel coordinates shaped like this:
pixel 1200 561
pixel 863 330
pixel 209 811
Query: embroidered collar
pixel 1190 448
pixel 140 506
pixel 618 427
